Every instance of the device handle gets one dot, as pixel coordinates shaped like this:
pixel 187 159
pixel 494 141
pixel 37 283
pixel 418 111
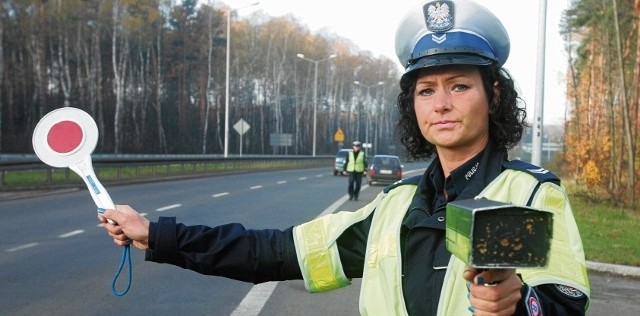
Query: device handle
pixel 99 194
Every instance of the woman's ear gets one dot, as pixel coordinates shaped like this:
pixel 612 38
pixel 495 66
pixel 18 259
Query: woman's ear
pixel 496 97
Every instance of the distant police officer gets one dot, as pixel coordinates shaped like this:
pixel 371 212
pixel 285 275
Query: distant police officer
pixel 458 106
pixel 355 165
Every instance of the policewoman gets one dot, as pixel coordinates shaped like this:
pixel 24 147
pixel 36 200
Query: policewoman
pixel 458 106
pixel 354 165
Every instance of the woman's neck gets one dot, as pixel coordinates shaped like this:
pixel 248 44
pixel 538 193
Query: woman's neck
pixel 450 159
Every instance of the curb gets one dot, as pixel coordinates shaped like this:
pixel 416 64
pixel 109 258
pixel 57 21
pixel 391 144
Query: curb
pixel 614 268
pixel 17 195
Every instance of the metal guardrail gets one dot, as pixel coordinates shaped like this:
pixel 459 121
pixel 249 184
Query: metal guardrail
pixel 26 172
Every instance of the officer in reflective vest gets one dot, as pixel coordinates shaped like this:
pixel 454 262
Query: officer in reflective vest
pixel 458 106
pixel 354 165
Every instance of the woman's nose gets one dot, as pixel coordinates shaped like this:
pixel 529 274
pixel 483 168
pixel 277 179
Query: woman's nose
pixel 442 102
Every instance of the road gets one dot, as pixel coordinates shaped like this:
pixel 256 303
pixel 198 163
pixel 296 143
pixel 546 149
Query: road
pixel 55 260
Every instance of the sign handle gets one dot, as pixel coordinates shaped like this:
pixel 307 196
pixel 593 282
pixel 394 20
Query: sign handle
pixel 103 201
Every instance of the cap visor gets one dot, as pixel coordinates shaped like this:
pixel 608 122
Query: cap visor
pixel 449 59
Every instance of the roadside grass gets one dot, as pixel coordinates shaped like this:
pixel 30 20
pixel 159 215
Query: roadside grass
pixel 609 233
pixel 28 179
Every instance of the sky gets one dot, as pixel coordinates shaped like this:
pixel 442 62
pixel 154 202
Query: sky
pixel 372 25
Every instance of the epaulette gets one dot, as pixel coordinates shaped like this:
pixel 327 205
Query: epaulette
pixel 541 174
pixel 413 180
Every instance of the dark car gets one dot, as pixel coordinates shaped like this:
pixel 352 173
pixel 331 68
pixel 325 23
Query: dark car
pixel 341 157
pixel 384 169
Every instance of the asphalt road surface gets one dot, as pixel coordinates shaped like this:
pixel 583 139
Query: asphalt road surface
pixel 55 260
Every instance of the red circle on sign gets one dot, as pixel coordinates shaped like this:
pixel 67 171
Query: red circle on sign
pixel 64 137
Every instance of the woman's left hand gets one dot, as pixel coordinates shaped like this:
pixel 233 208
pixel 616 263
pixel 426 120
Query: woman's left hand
pixel 493 291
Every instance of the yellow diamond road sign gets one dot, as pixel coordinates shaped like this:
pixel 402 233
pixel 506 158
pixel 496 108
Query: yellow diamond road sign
pixel 339 136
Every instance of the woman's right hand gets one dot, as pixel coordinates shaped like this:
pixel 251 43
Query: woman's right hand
pixel 131 228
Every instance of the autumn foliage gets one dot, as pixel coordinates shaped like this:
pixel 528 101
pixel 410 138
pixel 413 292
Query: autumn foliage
pixel 603 93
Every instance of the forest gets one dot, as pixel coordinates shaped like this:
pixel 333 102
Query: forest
pixel 152 73
pixel 603 91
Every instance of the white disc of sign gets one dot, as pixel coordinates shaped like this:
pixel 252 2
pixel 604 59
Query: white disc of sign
pixel 65 137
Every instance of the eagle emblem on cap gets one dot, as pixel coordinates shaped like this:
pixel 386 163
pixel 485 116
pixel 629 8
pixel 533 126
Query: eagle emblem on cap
pixel 439 15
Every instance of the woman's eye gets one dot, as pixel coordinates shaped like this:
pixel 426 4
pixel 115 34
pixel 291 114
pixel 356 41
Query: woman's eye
pixel 460 87
pixel 425 92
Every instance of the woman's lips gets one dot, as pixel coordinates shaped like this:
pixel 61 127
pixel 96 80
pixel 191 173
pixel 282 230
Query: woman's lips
pixel 444 123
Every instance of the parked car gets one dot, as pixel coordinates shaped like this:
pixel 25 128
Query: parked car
pixel 341 157
pixel 384 169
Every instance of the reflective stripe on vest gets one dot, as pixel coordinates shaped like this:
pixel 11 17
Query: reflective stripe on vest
pixel 317 251
pixel 356 164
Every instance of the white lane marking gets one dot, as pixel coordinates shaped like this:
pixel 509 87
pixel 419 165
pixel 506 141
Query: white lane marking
pixel 303 178
pixel 319 175
pixel 252 304
pixel 220 194
pixel 73 233
pixel 255 187
pixel 254 301
pixel 25 246
pixel 168 207
pixel 282 182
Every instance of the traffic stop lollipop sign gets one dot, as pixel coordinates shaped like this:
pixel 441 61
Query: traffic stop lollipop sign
pixel 66 137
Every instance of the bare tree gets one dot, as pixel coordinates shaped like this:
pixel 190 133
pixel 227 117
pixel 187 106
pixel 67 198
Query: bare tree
pixel 625 110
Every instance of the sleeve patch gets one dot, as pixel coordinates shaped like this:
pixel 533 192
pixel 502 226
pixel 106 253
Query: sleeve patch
pixel 569 291
pixel 533 303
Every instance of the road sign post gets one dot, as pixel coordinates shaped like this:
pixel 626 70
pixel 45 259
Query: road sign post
pixel 241 127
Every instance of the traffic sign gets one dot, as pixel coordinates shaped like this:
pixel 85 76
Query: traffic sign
pixel 339 135
pixel 241 126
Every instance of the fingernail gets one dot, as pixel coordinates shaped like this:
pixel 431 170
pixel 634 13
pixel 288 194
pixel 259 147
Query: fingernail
pixel 468 286
pixel 471 309
pixel 480 280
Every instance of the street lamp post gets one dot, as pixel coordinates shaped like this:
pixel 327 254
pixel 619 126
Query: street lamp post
pixel 226 94
pixel 315 94
pixel 366 129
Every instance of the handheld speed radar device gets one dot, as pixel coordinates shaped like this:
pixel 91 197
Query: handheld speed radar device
pixel 488 234
pixel 66 137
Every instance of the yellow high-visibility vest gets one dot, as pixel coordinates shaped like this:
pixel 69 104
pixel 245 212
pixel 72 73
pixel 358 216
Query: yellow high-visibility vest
pixel 381 290
pixel 355 164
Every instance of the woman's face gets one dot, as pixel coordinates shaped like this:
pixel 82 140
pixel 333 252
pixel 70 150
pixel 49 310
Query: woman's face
pixel 452 108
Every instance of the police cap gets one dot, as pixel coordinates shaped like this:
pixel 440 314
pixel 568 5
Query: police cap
pixel 437 33
pixel 357 143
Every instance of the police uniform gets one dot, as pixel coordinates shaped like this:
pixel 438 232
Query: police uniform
pixel 271 255
pixel 396 243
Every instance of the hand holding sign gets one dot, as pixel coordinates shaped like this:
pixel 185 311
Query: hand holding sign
pixel 66 137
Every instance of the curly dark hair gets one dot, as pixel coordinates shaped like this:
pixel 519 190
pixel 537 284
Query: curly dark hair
pixel 506 118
